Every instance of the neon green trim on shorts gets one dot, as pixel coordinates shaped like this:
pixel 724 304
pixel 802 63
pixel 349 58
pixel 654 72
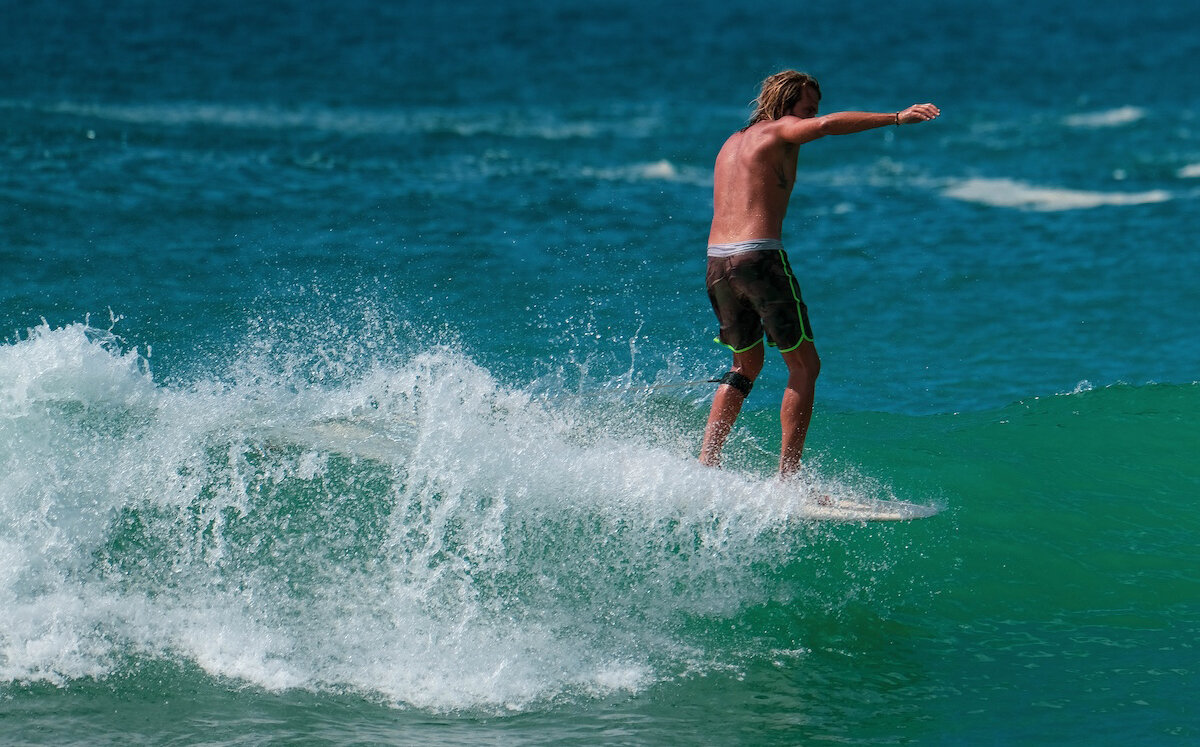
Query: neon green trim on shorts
pixel 750 347
pixel 794 285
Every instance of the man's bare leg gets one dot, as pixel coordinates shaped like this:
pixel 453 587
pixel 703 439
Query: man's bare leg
pixel 726 404
pixel 795 413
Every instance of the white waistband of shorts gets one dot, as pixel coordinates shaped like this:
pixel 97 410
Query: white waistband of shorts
pixel 741 247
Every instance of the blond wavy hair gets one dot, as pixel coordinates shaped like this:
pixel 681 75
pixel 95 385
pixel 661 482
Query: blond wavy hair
pixel 779 93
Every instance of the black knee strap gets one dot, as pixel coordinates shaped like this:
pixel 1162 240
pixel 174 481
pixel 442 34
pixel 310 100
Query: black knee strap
pixel 738 382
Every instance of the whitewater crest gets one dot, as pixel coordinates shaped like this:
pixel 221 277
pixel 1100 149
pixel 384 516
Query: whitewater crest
pixel 420 532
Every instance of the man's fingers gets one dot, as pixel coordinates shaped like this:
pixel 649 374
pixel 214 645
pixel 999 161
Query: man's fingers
pixel 925 111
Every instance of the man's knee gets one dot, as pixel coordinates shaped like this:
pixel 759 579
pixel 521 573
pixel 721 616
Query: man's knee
pixel 803 363
pixel 812 365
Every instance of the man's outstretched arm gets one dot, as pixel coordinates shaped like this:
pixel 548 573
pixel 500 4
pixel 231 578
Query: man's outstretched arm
pixel 796 130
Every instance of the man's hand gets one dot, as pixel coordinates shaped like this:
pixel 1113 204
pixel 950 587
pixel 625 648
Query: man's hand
pixel 917 113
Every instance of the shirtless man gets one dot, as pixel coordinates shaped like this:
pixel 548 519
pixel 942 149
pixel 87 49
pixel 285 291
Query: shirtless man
pixel 750 283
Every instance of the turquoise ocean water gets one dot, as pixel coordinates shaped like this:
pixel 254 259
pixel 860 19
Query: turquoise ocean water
pixel 352 363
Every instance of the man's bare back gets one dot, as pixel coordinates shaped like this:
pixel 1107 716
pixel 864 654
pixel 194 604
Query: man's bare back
pixel 753 179
pixel 755 169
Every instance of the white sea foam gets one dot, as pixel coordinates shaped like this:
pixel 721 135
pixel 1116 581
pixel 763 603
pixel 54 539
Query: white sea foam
pixel 515 122
pixel 1109 118
pixel 1082 387
pixel 1191 171
pixel 663 171
pixel 1014 194
pixel 418 532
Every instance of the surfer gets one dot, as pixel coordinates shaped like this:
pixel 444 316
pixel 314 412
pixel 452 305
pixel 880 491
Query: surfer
pixel 750 282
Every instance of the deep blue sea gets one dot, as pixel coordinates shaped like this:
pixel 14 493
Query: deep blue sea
pixel 354 360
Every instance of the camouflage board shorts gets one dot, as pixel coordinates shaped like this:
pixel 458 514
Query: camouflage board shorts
pixel 753 290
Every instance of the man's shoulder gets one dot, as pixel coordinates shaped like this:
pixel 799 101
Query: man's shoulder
pixel 769 125
pixel 782 129
pixel 769 135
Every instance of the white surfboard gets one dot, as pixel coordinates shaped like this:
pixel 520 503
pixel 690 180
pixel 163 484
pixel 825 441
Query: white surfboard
pixel 860 509
pixel 391 442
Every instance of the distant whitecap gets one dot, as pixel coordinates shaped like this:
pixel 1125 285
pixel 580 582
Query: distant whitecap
pixel 1109 118
pixel 1014 194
